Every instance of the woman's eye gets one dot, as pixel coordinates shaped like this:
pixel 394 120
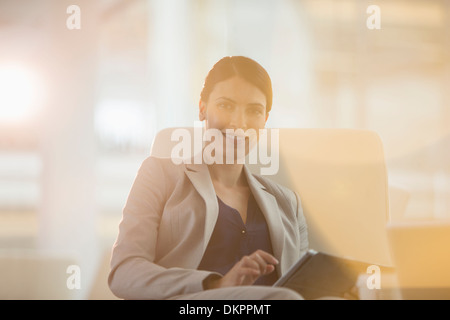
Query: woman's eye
pixel 256 111
pixel 225 106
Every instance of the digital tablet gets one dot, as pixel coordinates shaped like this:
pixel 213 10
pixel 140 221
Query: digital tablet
pixel 316 275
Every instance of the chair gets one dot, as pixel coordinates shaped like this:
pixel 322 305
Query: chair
pixel 340 175
pixel 398 203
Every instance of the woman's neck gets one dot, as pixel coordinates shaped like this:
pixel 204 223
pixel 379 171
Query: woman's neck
pixel 229 175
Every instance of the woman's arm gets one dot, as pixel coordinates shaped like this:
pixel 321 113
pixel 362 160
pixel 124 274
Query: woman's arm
pixel 134 275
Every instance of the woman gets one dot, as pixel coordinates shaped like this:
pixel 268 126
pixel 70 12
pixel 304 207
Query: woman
pixel 211 231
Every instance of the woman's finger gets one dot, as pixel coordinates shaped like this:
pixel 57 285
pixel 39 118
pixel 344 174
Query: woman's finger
pixel 260 261
pixel 268 258
pixel 249 262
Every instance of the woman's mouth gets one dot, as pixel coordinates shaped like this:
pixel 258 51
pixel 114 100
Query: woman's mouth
pixel 233 138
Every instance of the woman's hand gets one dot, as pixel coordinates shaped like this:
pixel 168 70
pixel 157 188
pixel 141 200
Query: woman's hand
pixel 247 270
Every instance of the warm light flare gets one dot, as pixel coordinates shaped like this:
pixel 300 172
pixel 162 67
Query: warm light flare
pixel 19 93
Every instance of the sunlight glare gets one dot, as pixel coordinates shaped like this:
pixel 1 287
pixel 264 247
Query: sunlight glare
pixel 19 93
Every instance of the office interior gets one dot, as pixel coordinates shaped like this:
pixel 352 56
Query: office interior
pixel 82 100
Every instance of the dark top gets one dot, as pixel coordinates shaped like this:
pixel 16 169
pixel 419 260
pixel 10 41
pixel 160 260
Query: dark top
pixel 232 239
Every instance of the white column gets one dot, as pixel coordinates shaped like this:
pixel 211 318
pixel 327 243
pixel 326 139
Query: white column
pixel 363 66
pixel 67 215
pixel 169 63
pixel 446 77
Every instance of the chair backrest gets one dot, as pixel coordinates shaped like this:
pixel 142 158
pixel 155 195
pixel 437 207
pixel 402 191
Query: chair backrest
pixel 340 176
pixel 398 203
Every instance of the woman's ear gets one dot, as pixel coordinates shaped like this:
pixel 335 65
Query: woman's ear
pixel 202 110
pixel 267 117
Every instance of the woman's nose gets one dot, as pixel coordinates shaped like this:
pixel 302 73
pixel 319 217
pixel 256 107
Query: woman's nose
pixel 238 120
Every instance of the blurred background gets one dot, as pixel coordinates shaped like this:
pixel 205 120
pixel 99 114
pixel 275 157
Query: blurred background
pixel 79 107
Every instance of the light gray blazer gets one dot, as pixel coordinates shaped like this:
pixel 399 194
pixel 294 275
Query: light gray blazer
pixel 168 220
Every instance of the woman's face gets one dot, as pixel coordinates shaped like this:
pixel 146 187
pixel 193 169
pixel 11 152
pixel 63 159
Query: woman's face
pixel 234 104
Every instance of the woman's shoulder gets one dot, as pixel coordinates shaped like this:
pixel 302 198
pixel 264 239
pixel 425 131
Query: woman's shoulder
pixel 164 162
pixel 163 166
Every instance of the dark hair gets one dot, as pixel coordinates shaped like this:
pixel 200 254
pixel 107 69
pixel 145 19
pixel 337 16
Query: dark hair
pixel 243 67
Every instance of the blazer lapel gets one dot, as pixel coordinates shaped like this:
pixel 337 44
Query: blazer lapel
pixel 199 175
pixel 269 208
pixel 201 180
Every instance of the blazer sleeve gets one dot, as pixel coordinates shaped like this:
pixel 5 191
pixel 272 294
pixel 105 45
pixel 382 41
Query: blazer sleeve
pixel 302 227
pixel 134 273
